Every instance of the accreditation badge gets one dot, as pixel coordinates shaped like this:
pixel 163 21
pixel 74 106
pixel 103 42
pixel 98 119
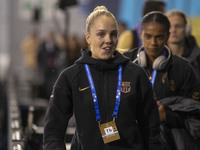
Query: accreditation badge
pixel 109 132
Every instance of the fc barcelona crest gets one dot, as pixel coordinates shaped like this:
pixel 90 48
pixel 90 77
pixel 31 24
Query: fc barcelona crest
pixel 126 87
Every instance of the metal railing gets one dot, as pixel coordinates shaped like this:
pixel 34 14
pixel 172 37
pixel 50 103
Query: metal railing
pixel 16 140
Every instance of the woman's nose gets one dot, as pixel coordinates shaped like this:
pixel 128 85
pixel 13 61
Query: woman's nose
pixel 108 39
pixel 153 41
pixel 172 29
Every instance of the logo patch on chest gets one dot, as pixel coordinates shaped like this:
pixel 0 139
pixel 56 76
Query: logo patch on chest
pixel 126 87
pixel 172 85
pixel 164 77
pixel 195 95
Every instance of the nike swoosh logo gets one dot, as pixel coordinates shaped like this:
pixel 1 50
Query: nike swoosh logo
pixel 83 89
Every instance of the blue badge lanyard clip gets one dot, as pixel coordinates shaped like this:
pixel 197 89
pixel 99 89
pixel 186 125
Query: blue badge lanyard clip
pixel 94 95
pixel 153 77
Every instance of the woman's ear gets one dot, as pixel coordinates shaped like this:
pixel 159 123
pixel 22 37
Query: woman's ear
pixel 141 34
pixel 87 37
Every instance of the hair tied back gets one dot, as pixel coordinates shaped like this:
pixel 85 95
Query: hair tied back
pixel 100 8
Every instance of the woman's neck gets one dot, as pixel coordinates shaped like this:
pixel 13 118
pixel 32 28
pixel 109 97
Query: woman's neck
pixel 177 49
pixel 150 60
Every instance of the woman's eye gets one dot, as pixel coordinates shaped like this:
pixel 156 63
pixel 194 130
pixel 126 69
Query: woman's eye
pixel 178 26
pixel 114 34
pixel 101 34
pixel 148 36
pixel 161 37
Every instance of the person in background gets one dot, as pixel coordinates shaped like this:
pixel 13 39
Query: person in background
pixel 111 98
pixel 181 42
pixel 73 50
pixel 30 47
pixel 130 39
pixel 47 57
pixel 122 27
pixel 173 80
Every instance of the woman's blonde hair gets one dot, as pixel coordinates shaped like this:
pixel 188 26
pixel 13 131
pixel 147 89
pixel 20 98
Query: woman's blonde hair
pixel 177 13
pixel 98 11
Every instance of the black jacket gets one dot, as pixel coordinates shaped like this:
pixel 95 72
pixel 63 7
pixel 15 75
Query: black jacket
pixel 192 53
pixel 137 121
pixel 177 79
pixel 187 138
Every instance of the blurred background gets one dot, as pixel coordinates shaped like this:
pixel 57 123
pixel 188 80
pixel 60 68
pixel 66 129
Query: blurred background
pixel 19 18
pixel 38 38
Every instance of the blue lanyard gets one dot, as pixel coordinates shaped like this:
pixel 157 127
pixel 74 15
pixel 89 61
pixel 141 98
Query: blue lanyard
pixel 153 77
pixel 94 95
pixel 154 73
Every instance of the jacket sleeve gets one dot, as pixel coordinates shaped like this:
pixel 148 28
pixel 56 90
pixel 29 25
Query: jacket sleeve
pixel 174 119
pixel 191 84
pixel 147 115
pixel 57 116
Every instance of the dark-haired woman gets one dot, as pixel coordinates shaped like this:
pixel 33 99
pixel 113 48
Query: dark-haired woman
pixel 173 80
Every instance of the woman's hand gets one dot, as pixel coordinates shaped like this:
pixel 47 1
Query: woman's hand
pixel 162 112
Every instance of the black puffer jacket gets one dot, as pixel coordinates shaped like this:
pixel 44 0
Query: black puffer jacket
pixel 137 121
pixel 187 138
